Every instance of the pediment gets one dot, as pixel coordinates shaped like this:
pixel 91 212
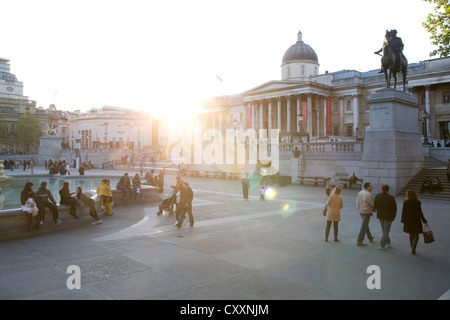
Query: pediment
pixel 273 86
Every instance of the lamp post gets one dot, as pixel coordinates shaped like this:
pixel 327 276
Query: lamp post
pixel 425 116
pixel 299 121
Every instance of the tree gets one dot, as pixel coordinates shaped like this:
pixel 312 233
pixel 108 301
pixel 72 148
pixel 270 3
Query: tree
pixel 438 25
pixel 28 132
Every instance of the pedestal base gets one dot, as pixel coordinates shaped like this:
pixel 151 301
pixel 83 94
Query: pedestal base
pixel 50 148
pixel 392 145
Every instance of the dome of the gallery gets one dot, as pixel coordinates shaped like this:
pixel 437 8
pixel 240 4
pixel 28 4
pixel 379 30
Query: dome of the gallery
pixel 300 51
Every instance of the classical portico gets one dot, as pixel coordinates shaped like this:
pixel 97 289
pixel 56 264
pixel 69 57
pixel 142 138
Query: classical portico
pixel 282 112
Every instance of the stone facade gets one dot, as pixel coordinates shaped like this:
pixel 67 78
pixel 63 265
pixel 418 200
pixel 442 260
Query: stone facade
pixel 334 105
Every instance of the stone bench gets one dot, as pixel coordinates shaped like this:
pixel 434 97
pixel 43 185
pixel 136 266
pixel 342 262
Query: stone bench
pixel 233 175
pixel 315 180
pixel 215 174
pixel 191 173
pixel 13 222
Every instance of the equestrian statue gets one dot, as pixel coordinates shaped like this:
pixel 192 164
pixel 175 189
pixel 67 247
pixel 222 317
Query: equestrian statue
pixel 393 60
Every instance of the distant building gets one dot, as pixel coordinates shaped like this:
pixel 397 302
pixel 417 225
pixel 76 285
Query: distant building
pixel 328 106
pixel 111 127
pixel 13 104
pixel 106 127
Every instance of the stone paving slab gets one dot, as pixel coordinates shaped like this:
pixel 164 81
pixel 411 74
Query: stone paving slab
pixel 256 250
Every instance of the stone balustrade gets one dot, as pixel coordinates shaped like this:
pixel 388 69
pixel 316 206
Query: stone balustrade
pixel 334 147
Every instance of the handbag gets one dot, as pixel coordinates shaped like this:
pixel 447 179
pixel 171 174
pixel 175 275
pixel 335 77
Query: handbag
pixel 428 234
pixel 324 211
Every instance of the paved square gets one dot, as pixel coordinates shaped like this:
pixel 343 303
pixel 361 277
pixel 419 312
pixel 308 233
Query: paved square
pixel 237 249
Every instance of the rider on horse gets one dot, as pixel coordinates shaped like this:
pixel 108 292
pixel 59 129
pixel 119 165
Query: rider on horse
pixel 396 45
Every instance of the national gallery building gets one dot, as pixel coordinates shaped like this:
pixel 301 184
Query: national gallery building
pixel 311 106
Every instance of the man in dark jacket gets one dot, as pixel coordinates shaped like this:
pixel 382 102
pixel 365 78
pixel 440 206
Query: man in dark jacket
pixel 125 184
pixel 45 199
pixel 386 208
pixel 187 195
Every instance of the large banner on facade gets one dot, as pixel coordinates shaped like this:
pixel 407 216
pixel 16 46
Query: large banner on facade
pixel 305 113
pixel 249 118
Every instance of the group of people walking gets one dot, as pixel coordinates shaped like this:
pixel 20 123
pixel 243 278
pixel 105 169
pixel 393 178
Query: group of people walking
pixel 385 207
pixel 12 164
pixel 34 204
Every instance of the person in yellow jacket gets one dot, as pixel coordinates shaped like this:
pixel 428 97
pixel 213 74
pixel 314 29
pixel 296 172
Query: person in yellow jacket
pixel 104 192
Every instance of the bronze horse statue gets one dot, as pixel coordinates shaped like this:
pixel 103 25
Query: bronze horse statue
pixel 393 60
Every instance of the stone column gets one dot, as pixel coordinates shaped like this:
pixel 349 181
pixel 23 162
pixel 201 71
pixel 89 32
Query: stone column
pixel 355 108
pixel 341 116
pixel 279 113
pixel 299 101
pixel 269 115
pixel 261 114
pixel 244 126
pixel 392 146
pixel 288 114
pixel 253 114
pixel 324 116
pixel 428 109
pixel 309 124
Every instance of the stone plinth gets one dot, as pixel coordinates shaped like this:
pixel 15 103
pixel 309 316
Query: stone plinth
pixel 392 145
pixel 50 148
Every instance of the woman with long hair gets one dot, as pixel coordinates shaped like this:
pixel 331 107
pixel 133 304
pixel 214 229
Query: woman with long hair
pixel 28 201
pixel 412 218
pixel 68 199
pixel 334 204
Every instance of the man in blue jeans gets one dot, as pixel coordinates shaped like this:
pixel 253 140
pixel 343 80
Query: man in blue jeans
pixel 365 203
pixel 386 208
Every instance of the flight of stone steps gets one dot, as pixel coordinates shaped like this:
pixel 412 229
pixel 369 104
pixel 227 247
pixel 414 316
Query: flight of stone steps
pixel 431 168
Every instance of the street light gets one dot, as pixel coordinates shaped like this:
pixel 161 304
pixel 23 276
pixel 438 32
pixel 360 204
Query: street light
pixel 425 116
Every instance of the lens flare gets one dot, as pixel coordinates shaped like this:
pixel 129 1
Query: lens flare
pixel 288 210
pixel 269 193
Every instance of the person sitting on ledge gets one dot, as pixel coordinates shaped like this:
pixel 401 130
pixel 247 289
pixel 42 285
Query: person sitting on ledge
pixel 436 185
pixel 353 180
pixel 45 199
pixel 104 192
pixel 68 199
pixel 28 201
pixel 81 196
pixel 426 185
pixel 137 191
pixel 124 184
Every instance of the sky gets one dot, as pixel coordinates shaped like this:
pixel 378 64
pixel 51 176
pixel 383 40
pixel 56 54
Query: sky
pixel 164 56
